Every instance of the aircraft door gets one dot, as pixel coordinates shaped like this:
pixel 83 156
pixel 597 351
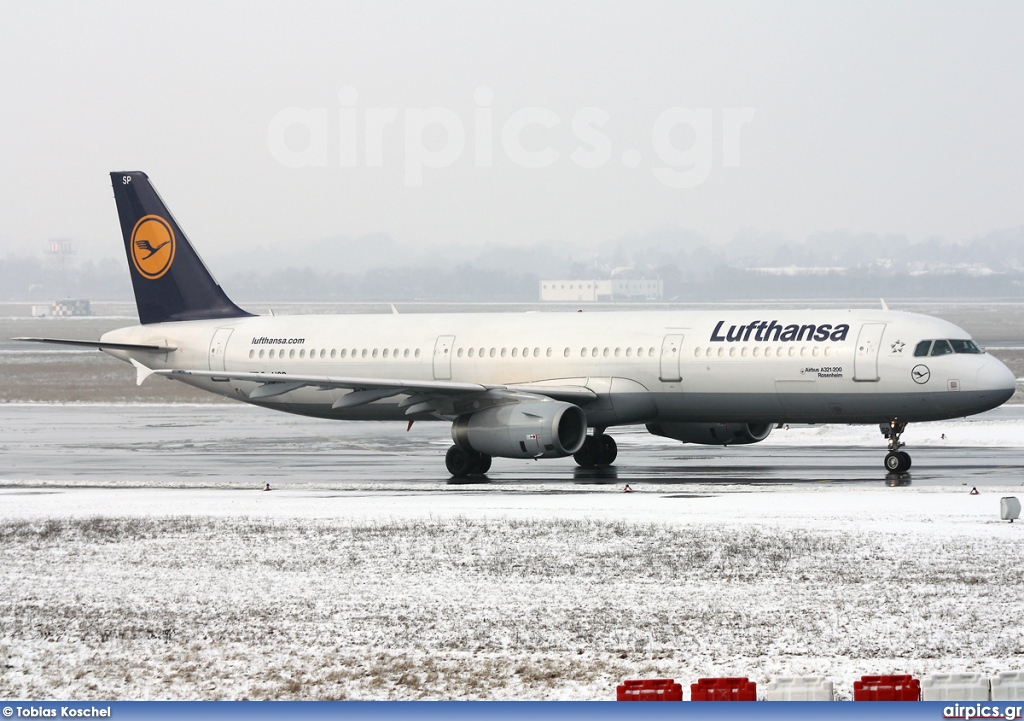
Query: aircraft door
pixel 671 353
pixel 443 357
pixel 865 359
pixel 218 348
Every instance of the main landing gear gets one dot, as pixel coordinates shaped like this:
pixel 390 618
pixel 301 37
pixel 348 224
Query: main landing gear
pixel 597 450
pixel 896 461
pixel 462 463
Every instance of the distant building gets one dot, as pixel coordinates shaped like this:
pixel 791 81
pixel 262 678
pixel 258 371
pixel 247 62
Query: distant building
pixel 593 291
pixel 66 307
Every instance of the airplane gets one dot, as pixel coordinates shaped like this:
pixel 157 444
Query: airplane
pixel 533 385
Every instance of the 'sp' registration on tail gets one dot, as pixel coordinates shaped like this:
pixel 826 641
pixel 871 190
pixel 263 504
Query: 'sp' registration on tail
pixel 543 385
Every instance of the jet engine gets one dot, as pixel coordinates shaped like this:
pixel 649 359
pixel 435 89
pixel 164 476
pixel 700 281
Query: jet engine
pixel 713 434
pixel 541 429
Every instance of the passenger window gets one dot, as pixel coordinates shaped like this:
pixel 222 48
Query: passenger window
pixel 515 352
pixel 252 352
pixel 922 348
pixel 566 354
pixel 941 347
pixel 261 352
pixel 460 353
pixel 385 352
pixel 334 352
pixel 417 354
pixel 471 352
pixel 291 353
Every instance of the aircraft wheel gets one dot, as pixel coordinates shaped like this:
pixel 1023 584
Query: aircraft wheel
pixel 483 464
pixel 459 462
pixel 588 454
pixel 905 457
pixel 608 450
pixel 893 462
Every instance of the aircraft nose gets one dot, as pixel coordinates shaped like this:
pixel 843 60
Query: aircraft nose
pixel 997 378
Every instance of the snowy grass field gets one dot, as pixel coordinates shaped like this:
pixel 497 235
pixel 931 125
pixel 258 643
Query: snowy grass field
pixel 486 594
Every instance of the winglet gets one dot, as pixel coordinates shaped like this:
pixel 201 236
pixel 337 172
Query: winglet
pixel 884 306
pixel 142 372
pixel 394 310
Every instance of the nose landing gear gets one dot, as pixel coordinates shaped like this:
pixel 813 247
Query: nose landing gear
pixel 896 461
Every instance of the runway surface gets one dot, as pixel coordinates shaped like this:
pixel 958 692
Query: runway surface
pixel 236 446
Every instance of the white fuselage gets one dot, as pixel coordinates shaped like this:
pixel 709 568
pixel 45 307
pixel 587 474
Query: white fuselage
pixel 843 366
pixel 781 366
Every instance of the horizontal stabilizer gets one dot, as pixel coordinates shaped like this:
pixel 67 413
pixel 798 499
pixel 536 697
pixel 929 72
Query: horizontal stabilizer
pixel 101 345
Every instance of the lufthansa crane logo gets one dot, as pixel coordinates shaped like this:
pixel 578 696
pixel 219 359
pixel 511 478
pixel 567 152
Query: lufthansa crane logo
pixel 152 246
pixel 920 374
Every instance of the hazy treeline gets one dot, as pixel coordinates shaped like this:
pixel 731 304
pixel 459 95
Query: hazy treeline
pixel 752 265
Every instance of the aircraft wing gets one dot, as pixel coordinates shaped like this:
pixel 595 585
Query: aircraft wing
pixel 367 390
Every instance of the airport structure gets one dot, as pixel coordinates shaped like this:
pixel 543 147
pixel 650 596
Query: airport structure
pixel 608 290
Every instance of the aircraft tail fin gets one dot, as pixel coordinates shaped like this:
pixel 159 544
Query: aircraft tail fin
pixel 171 281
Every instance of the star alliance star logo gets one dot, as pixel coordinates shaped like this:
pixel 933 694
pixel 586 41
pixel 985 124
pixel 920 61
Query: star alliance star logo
pixel 897 347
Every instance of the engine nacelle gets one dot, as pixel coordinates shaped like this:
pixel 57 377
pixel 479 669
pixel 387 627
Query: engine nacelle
pixel 713 434
pixel 542 429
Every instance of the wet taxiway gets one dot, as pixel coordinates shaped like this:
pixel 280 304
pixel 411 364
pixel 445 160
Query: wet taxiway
pixel 236 446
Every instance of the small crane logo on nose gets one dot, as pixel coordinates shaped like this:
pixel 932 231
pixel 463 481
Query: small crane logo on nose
pixel 920 374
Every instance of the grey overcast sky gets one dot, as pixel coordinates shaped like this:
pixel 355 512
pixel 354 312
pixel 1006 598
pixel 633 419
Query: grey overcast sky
pixel 782 117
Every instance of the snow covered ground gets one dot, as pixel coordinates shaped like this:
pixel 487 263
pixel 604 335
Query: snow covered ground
pixel 464 593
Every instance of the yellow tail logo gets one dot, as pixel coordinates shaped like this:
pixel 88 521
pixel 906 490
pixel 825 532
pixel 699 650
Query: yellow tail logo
pixel 152 246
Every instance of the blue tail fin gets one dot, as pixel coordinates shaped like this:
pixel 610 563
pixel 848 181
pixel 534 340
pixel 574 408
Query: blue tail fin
pixel 170 279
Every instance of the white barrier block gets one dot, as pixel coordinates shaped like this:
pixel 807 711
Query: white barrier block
pixel 800 688
pixel 955 687
pixel 1008 686
pixel 1009 509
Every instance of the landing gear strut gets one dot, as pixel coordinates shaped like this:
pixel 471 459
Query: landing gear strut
pixel 896 461
pixel 597 450
pixel 462 463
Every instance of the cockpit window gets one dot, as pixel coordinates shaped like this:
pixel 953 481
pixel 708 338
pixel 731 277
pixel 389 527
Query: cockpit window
pixel 965 346
pixel 945 347
pixel 941 347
